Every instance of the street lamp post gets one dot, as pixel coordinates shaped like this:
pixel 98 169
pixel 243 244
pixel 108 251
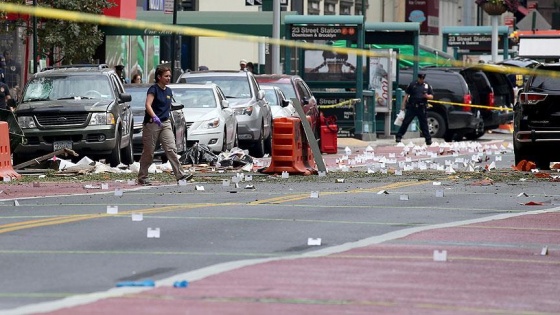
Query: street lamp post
pixel 173 40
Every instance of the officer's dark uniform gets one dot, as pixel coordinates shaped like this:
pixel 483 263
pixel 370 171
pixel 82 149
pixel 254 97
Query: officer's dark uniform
pixel 416 107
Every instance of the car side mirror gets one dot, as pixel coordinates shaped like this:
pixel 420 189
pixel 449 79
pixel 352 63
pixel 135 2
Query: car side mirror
pixel 177 106
pixel 125 97
pixel 260 95
pixel 285 103
pixel 305 101
pixel 225 103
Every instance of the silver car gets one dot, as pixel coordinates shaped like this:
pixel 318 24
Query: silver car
pixel 247 100
pixel 210 120
pixel 279 104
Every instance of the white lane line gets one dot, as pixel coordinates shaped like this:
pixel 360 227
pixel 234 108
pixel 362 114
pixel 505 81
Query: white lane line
pixel 202 273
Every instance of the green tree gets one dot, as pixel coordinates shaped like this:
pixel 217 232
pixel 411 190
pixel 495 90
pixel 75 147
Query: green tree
pixel 63 41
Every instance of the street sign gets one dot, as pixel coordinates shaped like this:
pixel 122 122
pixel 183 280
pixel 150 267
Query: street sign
pixel 168 6
pixel 253 2
pixel 259 2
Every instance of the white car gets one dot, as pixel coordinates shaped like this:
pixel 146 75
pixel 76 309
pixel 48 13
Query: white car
pixel 210 120
pixel 280 106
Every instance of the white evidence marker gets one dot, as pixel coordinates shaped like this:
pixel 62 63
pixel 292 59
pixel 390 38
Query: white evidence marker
pixel 314 194
pixel 153 233
pixel 136 217
pixel 314 241
pixel 403 197
pixel 118 192
pixel 440 255
pixel 112 209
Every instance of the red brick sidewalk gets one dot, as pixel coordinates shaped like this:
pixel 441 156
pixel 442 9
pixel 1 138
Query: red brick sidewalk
pixel 492 267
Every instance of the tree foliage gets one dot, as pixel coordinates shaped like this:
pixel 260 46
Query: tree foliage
pixel 63 41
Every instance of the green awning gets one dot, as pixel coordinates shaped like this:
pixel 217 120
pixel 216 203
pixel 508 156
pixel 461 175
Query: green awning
pixel 427 56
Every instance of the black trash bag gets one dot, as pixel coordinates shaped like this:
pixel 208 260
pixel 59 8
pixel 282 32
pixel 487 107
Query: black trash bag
pixel 199 154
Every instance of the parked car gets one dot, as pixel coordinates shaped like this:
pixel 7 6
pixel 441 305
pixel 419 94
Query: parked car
pixel 246 99
pixel 210 120
pixel 536 127
pixel 518 79
pixel 138 106
pixel 489 86
pixel 80 107
pixel 294 87
pixel 279 104
pixel 447 121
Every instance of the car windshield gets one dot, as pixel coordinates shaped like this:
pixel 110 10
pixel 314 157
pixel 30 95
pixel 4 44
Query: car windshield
pixel 68 87
pixel 544 82
pixel 195 97
pixel 288 89
pixel 138 97
pixel 270 96
pixel 233 87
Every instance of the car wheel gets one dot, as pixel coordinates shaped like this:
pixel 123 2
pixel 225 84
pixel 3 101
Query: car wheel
pixel 115 156
pixel 436 124
pixel 258 148
pixel 543 162
pixel 127 154
pixel 268 143
pixel 235 140
pixel 477 133
pixel 17 159
pixel 224 141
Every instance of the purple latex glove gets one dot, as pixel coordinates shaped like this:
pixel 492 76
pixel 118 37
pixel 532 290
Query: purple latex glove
pixel 156 120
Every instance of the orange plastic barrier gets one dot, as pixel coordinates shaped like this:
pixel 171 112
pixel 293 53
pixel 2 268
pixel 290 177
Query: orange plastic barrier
pixel 287 147
pixel 6 169
pixel 525 166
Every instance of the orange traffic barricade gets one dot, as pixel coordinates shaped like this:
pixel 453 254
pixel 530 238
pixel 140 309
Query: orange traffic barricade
pixel 287 147
pixel 6 169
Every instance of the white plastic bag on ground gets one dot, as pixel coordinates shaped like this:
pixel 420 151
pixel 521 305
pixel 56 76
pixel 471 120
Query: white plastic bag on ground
pixel 399 119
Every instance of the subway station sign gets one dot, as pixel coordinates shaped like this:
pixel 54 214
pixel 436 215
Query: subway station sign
pixel 474 42
pixel 325 32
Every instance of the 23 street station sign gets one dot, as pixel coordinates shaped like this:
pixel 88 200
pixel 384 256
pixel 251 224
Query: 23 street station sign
pixel 474 42
pixel 324 32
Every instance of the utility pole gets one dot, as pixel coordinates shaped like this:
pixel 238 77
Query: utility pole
pixel 173 48
pixel 35 39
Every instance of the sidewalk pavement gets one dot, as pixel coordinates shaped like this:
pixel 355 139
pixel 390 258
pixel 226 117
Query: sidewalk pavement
pixel 496 265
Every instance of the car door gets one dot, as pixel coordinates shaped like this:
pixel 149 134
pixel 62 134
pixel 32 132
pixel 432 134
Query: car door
pixel 228 115
pixel 125 113
pixel 265 108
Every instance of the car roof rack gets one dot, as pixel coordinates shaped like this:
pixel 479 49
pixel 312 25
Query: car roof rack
pixel 92 66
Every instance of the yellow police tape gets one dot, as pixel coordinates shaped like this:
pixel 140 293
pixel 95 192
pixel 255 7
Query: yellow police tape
pixel 341 104
pixel 80 17
pixel 355 100
pixel 472 105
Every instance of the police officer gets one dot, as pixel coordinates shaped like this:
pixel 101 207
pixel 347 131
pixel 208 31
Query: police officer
pixel 415 103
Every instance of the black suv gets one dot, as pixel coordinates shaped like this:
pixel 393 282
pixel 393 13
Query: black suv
pixel 447 121
pixel 536 128
pixel 489 87
pixel 80 107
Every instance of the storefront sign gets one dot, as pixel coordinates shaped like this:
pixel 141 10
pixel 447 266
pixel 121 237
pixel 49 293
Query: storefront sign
pixel 424 12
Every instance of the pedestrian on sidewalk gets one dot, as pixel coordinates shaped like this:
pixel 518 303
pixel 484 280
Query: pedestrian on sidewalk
pixel 157 127
pixel 415 104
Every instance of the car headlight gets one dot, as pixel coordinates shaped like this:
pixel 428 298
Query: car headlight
pixel 102 119
pixel 209 124
pixel 26 122
pixel 244 110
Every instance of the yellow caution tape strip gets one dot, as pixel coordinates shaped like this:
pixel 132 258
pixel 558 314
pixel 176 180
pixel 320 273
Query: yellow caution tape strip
pixel 341 104
pixel 79 17
pixel 472 105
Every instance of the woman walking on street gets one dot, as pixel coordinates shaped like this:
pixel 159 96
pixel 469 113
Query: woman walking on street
pixel 157 127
